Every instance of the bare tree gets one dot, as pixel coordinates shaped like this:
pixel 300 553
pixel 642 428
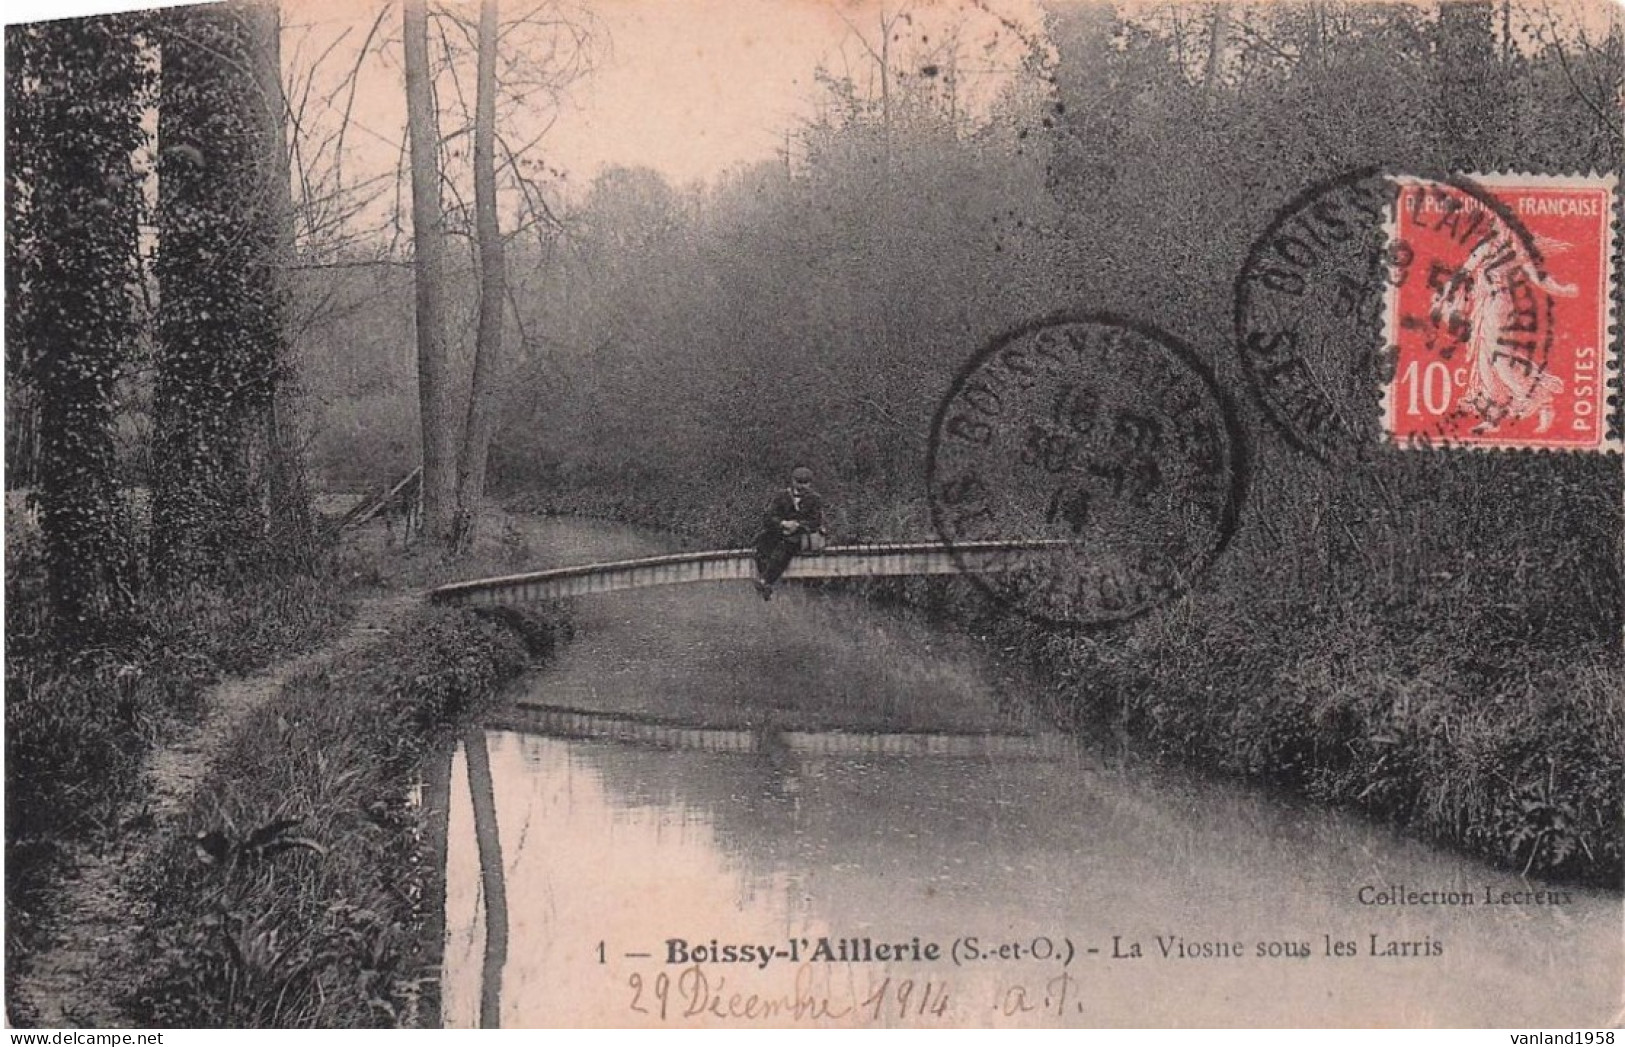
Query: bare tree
pixel 482 401
pixel 1218 33
pixel 284 484
pixel 495 80
pixel 428 234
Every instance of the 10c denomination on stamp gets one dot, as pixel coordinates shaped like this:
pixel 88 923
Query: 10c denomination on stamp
pixel 1500 338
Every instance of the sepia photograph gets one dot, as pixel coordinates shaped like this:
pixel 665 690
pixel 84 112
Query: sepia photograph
pixel 815 514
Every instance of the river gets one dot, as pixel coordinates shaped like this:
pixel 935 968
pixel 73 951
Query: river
pixel 849 818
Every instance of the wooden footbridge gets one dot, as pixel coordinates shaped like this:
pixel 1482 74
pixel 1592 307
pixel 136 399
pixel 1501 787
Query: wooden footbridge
pixel 841 561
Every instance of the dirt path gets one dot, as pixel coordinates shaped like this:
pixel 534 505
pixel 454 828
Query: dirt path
pixel 101 916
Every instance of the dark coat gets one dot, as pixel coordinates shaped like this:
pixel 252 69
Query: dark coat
pixel 810 511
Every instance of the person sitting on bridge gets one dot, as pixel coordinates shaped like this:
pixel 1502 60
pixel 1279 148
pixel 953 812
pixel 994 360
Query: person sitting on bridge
pixel 794 523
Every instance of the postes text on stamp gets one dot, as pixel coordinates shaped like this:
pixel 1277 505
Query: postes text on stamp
pixel 1499 331
pixel 1098 433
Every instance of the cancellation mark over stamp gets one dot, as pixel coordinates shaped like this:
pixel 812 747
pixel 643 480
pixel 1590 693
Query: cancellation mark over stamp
pixel 1501 340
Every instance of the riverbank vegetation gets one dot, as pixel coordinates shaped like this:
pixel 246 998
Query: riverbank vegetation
pixel 295 886
pixel 161 547
pixel 81 722
pixel 299 892
pixel 162 537
pixel 1432 637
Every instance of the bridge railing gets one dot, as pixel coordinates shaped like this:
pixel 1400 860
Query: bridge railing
pixel 841 561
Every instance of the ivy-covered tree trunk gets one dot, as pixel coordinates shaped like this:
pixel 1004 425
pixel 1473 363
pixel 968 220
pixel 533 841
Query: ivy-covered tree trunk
pixel 220 297
pixel 22 163
pixel 75 90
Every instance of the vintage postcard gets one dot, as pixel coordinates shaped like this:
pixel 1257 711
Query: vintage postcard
pixel 835 514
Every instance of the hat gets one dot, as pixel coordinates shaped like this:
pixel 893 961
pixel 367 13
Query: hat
pixel 802 475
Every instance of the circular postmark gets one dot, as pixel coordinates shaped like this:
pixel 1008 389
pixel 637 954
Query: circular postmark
pixel 1377 309
pixel 1085 469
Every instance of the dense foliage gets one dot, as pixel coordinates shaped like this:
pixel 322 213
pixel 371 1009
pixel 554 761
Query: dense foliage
pixel 329 934
pixel 1433 637
pixel 78 728
pixel 121 374
pixel 220 292
pixel 1452 616
pixel 76 90
pixel 103 654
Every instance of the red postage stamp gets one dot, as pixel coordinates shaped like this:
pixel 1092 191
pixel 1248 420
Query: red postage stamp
pixel 1498 314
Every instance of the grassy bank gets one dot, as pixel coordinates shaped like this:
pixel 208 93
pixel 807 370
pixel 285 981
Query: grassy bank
pixel 296 891
pixel 82 728
pixel 1432 698
pixel 1512 758
pixel 79 728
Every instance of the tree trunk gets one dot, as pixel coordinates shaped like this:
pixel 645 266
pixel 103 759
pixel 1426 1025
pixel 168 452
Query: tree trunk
pixel 221 301
pixel 488 843
pixel 482 402
pixel 428 236
pixel 286 491
pixel 1217 38
pixel 74 94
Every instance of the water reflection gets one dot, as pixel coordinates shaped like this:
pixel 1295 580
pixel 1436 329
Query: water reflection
pixel 613 852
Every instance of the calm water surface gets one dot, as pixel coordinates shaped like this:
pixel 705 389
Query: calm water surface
pixel 1119 893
